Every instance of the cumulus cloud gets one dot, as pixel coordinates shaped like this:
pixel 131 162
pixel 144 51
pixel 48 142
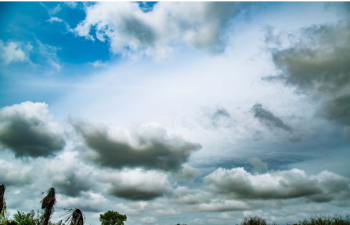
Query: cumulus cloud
pixel 317 63
pixel 69 176
pixel 268 118
pixel 238 183
pixel 136 184
pixel 146 146
pixel 14 52
pixel 28 130
pixel 257 164
pixel 10 175
pixel 128 27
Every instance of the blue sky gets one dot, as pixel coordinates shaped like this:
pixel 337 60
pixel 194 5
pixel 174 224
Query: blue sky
pixel 176 112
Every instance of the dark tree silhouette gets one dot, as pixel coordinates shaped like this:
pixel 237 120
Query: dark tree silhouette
pixel 48 204
pixel 76 217
pixel 2 196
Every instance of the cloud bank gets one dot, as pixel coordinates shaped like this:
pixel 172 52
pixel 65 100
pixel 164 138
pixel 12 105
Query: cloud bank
pixel 238 183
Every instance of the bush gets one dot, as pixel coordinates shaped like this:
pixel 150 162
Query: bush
pixel 326 220
pixel 254 221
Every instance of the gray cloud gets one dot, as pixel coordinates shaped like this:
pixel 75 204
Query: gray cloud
pixel 10 175
pixel 69 176
pixel 318 64
pixel 136 185
pixel 257 164
pixel 338 110
pixel 221 118
pixel 268 118
pixel 27 130
pixel 144 146
pixel 323 187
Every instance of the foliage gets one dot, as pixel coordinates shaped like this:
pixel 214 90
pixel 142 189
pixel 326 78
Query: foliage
pixel 48 203
pixel 326 220
pixel 2 197
pixel 254 221
pixel 76 217
pixel 4 215
pixel 25 218
pixel 112 218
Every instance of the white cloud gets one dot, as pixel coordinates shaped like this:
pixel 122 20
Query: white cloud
pixel 323 187
pixel 198 24
pixel 148 220
pixel 10 175
pixel 98 64
pixel 55 19
pixel 14 52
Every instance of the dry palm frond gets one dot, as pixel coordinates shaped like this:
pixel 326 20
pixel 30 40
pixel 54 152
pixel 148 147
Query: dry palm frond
pixel 76 217
pixel 48 204
pixel 2 195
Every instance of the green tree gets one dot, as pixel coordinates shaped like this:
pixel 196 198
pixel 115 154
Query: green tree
pixel 25 218
pixel 112 218
pixel 4 215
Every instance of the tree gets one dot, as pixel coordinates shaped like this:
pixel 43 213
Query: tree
pixel 4 215
pixel 2 197
pixel 112 218
pixel 48 203
pixel 76 217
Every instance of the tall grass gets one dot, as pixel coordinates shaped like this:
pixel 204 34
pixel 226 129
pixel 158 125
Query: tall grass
pixel 326 220
pixel 314 220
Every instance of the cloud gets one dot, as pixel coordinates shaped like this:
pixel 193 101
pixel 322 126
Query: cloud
pixel 28 130
pixel 338 109
pixel 257 164
pixel 238 183
pixel 130 29
pixel 55 19
pixel 148 220
pixel 317 63
pixel 69 176
pixel 88 202
pixel 185 196
pixel 146 146
pixel 268 118
pixel 136 184
pixel 14 52
pixel 49 52
pixel 221 206
pixel 221 118
pixel 10 175
pixel 98 64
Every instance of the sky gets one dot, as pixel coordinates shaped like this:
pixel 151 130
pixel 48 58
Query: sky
pixel 176 112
